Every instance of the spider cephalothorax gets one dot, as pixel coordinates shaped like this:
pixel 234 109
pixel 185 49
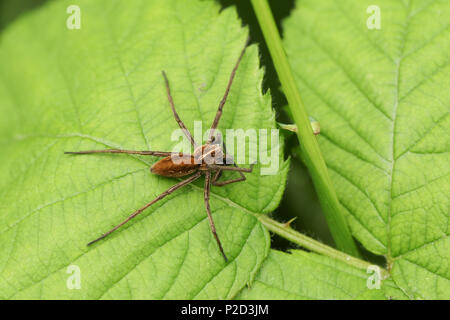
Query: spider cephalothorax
pixel 209 160
pixel 179 165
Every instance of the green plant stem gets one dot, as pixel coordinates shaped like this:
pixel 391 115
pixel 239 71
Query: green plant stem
pixel 309 147
pixel 285 231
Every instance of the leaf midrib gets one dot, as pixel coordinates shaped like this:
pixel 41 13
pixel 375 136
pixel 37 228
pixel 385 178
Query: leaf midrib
pixel 394 117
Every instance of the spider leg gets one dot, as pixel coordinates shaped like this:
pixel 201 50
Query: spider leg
pixel 175 114
pixel 145 153
pixel 216 177
pixel 223 183
pixel 208 211
pixel 219 172
pixel 227 90
pixel 161 196
pixel 225 168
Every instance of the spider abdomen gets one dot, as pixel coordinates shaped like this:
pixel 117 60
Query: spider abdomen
pixel 169 167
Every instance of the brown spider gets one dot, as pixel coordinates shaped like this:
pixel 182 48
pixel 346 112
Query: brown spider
pixel 206 160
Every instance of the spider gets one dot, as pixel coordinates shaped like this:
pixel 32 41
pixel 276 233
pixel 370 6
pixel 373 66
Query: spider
pixel 209 160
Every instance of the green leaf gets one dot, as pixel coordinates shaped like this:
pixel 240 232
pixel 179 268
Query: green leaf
pixel 303 275
pixel 382 99
pixel 101 87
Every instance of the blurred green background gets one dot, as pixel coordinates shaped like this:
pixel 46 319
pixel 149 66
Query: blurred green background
pixel 300 200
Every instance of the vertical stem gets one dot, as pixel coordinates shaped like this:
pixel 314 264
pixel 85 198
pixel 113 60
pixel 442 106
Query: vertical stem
pixel 309 147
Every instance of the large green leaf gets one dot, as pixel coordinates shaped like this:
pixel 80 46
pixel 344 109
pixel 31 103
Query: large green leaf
pixel 382 100
pixel 101 87
pixel 303 275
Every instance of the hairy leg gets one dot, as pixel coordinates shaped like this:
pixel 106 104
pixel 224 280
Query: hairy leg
pixel 175 114
pixel 145 153
pixel 227 90
pixel 208 211
pixel 217 183
pixel 139 211
pixel 216 167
